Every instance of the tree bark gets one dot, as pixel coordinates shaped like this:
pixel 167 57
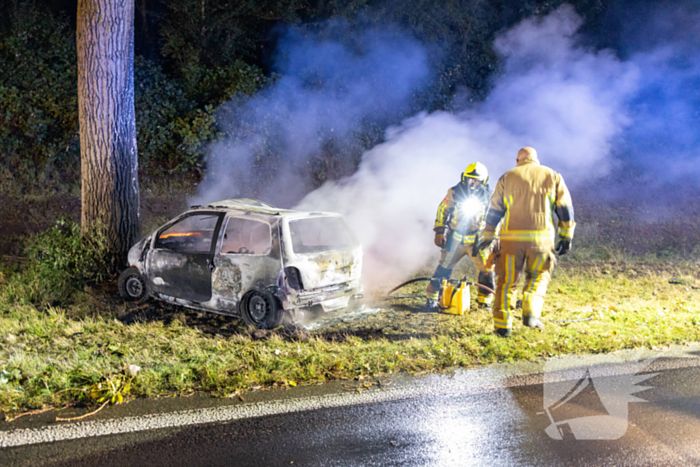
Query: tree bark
pixel 109 164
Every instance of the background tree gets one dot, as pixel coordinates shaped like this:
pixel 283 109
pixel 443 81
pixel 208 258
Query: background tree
pixel 110 190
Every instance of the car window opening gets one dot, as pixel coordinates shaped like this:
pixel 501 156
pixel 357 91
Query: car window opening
pixel 318 234
pixel 193 234
pixel 246 237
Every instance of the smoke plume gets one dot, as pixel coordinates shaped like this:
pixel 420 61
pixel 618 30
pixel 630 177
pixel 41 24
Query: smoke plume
pixel 565 100
pixel 327 90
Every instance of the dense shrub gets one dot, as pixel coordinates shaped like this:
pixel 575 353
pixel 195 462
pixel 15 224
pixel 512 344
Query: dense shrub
pixel 39 100
pixel 38 95
pixel 60 262
pixel 173 128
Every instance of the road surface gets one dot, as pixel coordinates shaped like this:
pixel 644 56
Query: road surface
pixel 469 418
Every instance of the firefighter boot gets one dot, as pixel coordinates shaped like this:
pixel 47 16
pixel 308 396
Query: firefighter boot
pixel 532 322
pixel 503 332
pixel 430 306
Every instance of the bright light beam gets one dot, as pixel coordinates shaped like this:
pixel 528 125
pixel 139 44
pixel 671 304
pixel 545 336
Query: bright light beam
pixel 470 208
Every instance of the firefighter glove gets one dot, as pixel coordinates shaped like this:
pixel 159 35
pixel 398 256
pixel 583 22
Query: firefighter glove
pixel 563 246
pixel 440 239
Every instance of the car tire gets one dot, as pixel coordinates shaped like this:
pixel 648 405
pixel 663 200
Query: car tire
pixel 132 286
pixel 260 308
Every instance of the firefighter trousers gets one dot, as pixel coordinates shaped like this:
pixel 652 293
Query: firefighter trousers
pixel 536 261
pixel 450 255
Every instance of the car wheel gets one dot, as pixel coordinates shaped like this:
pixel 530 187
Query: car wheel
pixel 259 308
pixel 132 286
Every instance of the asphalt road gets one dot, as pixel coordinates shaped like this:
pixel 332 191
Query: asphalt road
pixel 501 426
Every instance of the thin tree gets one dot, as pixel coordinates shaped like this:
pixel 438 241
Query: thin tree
pixel 110 189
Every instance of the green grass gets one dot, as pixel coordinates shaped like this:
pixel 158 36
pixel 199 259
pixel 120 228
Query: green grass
pixel 51 356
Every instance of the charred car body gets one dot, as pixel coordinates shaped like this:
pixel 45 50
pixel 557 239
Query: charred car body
pixel 244 258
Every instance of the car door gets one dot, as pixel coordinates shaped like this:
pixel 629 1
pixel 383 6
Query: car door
pixel 181 262
pixel 248 258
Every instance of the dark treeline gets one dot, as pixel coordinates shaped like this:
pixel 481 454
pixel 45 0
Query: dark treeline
pixel 193 55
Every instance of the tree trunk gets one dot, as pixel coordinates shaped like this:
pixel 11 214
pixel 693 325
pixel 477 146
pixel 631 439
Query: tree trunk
pixel 109 175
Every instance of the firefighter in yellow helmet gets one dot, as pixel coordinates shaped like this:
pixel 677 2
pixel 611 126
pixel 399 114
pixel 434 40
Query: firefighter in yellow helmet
pixel 459 219
pixel 522 206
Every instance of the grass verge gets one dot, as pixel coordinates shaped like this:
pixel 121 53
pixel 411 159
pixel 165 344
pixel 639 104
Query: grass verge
pixel 52 356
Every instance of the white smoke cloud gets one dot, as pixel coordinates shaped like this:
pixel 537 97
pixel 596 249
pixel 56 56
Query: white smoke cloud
pixel 326 91
pixel 563 99
pixel 567 101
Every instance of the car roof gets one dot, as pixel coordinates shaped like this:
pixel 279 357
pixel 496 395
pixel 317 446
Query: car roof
pixel 254 205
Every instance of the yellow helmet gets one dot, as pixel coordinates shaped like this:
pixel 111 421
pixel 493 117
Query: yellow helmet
pixel 477 171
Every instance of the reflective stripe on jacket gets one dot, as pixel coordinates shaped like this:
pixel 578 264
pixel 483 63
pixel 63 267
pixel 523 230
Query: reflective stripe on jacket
pixel 523 203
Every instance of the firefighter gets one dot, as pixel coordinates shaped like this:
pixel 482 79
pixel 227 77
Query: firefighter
pixel 459 219
pixel 522 206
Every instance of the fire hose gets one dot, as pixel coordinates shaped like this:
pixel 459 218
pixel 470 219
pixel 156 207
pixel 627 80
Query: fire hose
pixel 421 279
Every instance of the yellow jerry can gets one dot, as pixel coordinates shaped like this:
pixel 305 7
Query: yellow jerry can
pixel 454 300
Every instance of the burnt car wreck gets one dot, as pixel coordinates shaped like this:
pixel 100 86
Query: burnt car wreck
pixel 247 259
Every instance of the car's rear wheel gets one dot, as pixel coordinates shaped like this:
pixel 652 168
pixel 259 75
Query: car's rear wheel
pixel 132 286
pixel 259 308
